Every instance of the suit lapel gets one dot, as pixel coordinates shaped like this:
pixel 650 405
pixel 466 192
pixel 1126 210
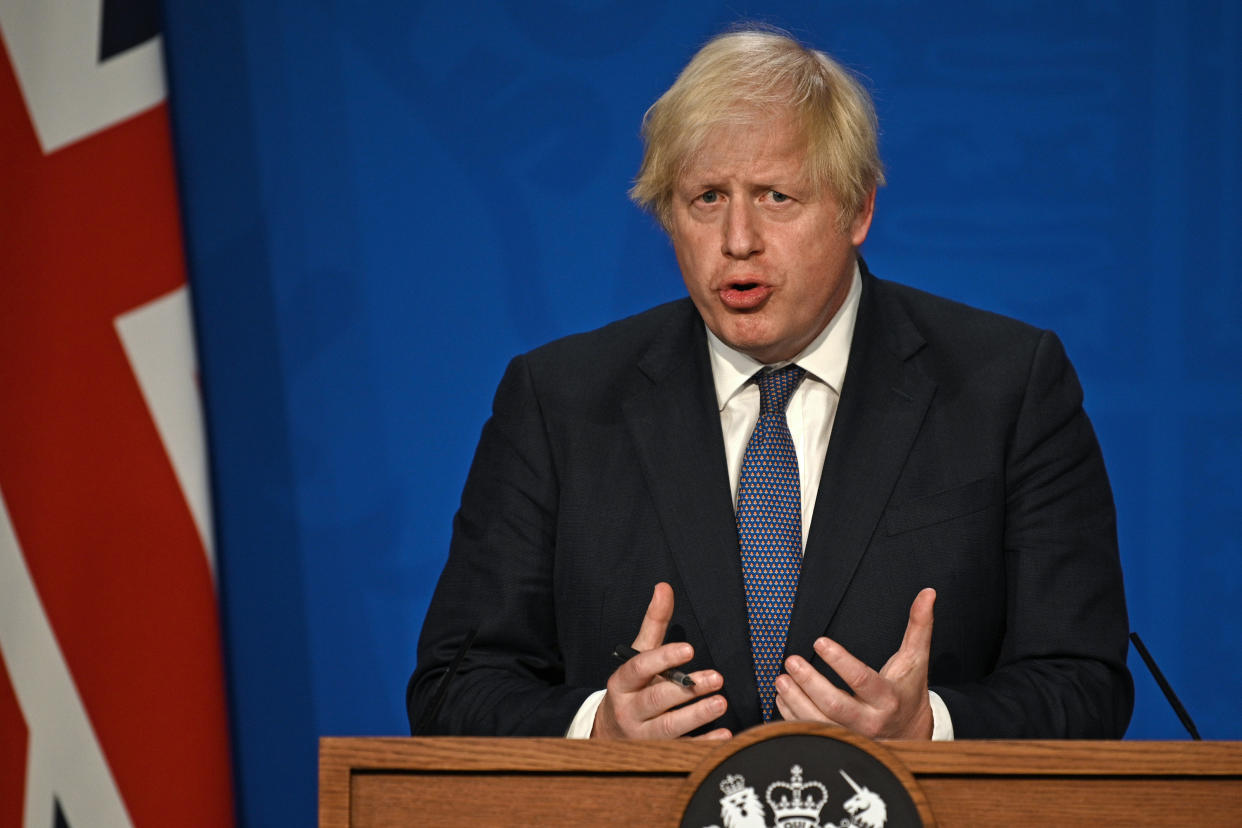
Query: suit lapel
pixel 675 425
pixel 883 402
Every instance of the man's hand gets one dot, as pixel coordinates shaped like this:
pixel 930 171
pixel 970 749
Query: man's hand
pixel 890 704
pixel 638 702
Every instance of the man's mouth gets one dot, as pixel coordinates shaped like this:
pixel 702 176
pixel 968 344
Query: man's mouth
pixel 744 296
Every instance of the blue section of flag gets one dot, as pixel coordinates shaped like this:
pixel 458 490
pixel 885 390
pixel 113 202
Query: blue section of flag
pixel 126 24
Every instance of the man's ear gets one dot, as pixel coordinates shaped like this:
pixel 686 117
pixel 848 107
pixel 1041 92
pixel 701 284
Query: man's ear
pixel 862 222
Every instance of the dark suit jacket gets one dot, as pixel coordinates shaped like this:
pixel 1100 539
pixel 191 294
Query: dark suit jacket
pixel 960 459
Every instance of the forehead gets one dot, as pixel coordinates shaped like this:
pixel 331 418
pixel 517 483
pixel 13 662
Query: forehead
pixel 760 147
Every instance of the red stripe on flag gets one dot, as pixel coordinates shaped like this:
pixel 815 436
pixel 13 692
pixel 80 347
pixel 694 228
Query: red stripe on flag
pixel 86 234
pixel 14 738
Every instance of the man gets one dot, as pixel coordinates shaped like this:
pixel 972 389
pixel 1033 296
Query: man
pixel 789 470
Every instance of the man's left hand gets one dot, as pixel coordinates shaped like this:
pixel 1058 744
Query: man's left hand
pixel 890 704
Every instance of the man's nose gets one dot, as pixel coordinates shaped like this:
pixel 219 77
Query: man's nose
pixel 742 238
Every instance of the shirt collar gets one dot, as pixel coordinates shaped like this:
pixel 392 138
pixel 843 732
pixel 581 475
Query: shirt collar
pixel 825 358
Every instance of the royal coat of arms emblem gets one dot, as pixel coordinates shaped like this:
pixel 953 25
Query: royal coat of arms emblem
pixel 797 775
pixel 794 803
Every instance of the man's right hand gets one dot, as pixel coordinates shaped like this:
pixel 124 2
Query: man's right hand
pixel 638 702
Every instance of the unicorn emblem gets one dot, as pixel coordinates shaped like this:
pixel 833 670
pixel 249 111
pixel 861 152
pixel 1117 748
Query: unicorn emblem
pixel 865 808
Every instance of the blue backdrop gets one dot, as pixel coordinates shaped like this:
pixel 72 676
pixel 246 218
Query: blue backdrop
pixel 386 201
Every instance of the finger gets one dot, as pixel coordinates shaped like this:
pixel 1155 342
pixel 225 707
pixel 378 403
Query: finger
pixel 663 695
pixel 864 681
pixel 637 704
pixel 717 734
pixel 655 621
pixel 789 714
pixel 681 721
pixel 810 695
pixel 644 669
pixel 705 681
pixel 794 704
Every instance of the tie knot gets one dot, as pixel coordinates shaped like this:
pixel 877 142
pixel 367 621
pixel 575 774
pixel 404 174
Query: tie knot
pixel 776 387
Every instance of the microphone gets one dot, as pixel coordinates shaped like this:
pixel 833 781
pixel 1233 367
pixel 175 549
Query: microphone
pixel 1166 688
pixel 437 700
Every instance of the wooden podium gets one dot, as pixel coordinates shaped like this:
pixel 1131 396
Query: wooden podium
pixel 382 782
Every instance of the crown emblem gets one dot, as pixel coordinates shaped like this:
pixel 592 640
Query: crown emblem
pixel 731 784
pixel 796 804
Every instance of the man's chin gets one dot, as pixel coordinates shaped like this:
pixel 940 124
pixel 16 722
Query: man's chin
pixel 763 349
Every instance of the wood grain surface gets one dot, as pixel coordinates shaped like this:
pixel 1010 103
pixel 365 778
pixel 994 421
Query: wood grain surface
pixel 383 782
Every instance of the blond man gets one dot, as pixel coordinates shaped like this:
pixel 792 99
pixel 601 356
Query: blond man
pixel 813 493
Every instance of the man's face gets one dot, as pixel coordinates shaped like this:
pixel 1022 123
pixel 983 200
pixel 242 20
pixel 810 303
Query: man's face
pixel 760 250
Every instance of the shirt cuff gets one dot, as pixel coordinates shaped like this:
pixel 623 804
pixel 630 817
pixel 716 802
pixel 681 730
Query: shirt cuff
pixel 584 719
pixel 942 722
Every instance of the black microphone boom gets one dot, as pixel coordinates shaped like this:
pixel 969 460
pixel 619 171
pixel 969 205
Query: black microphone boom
pixel 1166 688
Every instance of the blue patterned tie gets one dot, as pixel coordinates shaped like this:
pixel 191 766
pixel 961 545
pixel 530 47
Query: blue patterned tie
pixel 769 528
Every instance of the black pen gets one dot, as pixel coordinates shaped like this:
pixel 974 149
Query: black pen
pixel 625 652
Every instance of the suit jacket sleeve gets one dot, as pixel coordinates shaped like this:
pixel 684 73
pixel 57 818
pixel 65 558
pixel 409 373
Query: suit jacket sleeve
pixel 499 580
pixel 1061 667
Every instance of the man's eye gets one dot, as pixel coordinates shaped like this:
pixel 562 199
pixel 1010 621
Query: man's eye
pixel 709 197
pixel 779 197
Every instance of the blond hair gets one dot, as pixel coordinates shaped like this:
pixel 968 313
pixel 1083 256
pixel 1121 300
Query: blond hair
pixel 750 75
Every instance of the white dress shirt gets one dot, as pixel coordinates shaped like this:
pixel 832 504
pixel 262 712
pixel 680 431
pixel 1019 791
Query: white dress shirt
pixel 811 412
pixel 812 406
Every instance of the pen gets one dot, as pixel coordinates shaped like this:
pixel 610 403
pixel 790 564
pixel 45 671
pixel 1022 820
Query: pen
pixel 625 652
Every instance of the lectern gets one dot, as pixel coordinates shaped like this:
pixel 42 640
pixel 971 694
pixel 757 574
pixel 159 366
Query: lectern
pixel 388 782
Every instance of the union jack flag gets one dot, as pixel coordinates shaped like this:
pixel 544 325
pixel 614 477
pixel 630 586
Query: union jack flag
pixel 112 707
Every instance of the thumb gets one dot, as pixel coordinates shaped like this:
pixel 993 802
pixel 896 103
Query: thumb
pixel 919 628
pixel 916 644
pixel 655 621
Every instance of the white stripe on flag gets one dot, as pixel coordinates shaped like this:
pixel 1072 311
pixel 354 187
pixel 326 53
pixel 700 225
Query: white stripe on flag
pixel 160 346
pixel 54 45
pixel 65 760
